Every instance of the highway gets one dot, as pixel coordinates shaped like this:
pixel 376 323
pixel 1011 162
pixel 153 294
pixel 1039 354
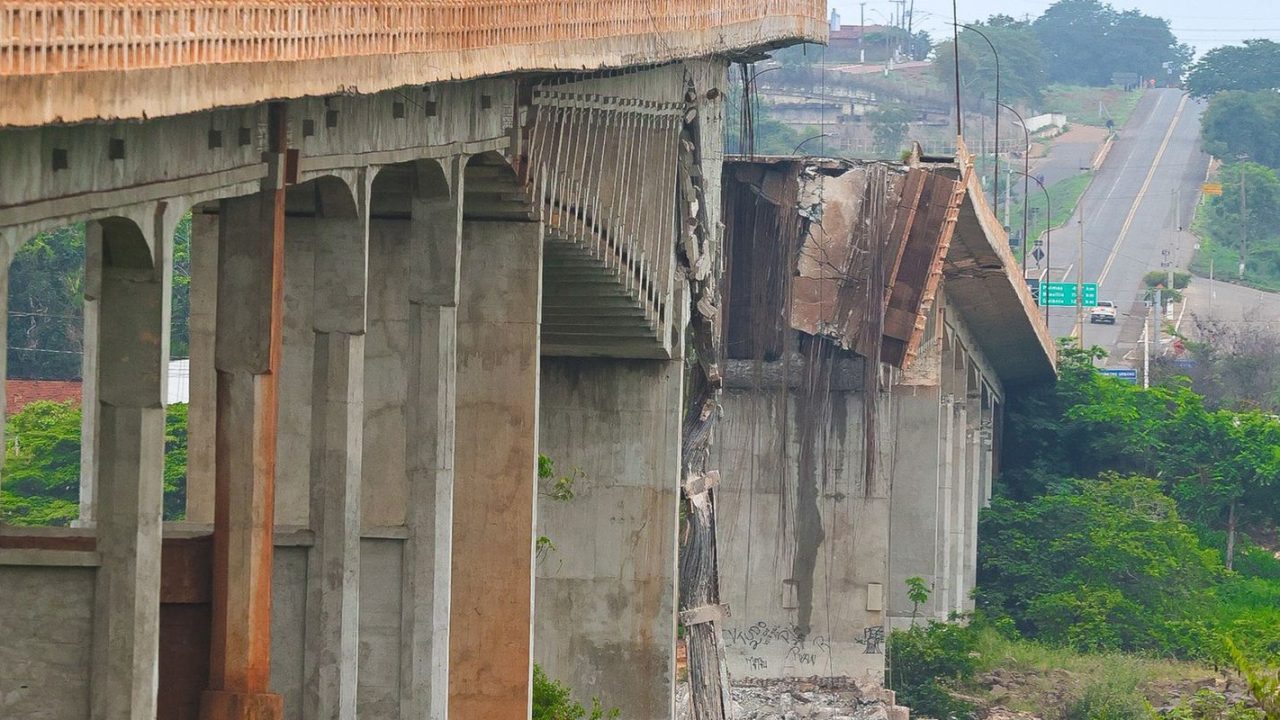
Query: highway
pixel 1130 220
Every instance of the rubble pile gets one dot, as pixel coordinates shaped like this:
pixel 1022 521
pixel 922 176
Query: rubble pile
pixel 813 699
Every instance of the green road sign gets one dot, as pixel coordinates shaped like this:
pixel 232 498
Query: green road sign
pixel 1063 294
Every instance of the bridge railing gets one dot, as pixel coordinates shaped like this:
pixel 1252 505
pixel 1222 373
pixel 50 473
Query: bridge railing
pixel 60 36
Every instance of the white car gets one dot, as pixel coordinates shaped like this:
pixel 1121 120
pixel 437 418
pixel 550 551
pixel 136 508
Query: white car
pixel 1103 312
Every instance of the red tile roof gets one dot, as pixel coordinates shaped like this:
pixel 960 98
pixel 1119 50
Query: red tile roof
pixel 21 393
pixel 853 32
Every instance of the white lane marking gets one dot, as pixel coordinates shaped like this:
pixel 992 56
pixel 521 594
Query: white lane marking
pixel 1137 201
pixel 1115 184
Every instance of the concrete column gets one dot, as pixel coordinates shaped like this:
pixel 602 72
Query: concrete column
pixel 496 456
pixel 988 446
pixel 959 491
pixel 247 357
pixel 942 582
pixel 435 248
pixel 959 471
pixel 973 488
pixel 337 424
pixel 132 349
pixel 915 502
pixel 201 328
pixel 942 585
pixel 89 375
pixel 606 595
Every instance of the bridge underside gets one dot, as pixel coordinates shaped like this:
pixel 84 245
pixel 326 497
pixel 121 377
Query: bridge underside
pixel 436 285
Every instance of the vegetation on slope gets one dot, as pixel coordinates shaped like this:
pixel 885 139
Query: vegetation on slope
pixel 1118 558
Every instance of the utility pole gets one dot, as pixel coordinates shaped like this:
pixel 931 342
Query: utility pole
pixel 1146 350
pixel 1211 293
pixel 862 32
pixel 1008 182
pixel 1177 241
pixel 899 20
pixel 1080 277
pixel 1157 316
pixel 1244 225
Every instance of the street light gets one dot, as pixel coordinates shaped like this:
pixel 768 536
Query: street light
pixel 806 140
pixel 1048 235
pixel 750 104
pixel 996 186
pixel 1026 175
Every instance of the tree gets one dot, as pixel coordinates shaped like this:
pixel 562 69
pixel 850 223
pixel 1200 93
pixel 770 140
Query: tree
pixel 1233 367
pixel 180 313
pixel 918 594
pixel 1243 123
pixel 1022 74
pixel 46 306
pixel 42 465
pixel 1086 41
pixel 1230 222
pixel 1100 564
pixel 889 128
pixel 1250 67
pixel 46 303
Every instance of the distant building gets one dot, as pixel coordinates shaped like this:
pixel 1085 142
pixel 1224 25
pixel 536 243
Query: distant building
pixel 849 41
pixel 21 393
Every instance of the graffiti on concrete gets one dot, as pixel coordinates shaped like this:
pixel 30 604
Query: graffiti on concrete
pixel 801 648
pixel 873 638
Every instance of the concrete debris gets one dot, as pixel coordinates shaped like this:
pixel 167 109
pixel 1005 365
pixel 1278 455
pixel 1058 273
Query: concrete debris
pixel 838 699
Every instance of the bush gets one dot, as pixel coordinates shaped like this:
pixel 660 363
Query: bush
pixel 1108 699
pixel 925 661
pixel 1208 704
pixel 1101 564
pixel 1161 277
pixel 552 700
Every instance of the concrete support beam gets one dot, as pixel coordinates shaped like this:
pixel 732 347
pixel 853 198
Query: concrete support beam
pixel 89 376
pixel 132 350
pixel 203 382
pixel 496 457
pixel 247 356
pixel 435 248
pixel 330 660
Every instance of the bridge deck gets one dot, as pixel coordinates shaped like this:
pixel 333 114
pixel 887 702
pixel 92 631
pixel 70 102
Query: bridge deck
pixel 156 58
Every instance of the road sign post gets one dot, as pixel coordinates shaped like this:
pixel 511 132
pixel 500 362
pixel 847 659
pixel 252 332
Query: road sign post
pixel 1128 375
pixel 1064 294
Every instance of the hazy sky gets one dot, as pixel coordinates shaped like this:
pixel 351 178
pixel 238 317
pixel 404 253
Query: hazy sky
pixel 1203 24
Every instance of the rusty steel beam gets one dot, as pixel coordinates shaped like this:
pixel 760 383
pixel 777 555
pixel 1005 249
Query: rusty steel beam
pixel 249 342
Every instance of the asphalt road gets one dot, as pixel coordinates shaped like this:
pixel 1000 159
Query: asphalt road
pixel 1131 217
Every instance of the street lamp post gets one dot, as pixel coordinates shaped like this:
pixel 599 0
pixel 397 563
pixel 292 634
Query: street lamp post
pixel 1048 236
pixel 809 139
pixel 996 176
pixel 1026 177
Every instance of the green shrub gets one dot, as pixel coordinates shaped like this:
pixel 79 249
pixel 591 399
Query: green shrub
pixel 925 661
pixel 1101 564
pixel 42 465
pixel 1107 699
pixel 1209 704
pixel 552 700
pixel 1161 277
